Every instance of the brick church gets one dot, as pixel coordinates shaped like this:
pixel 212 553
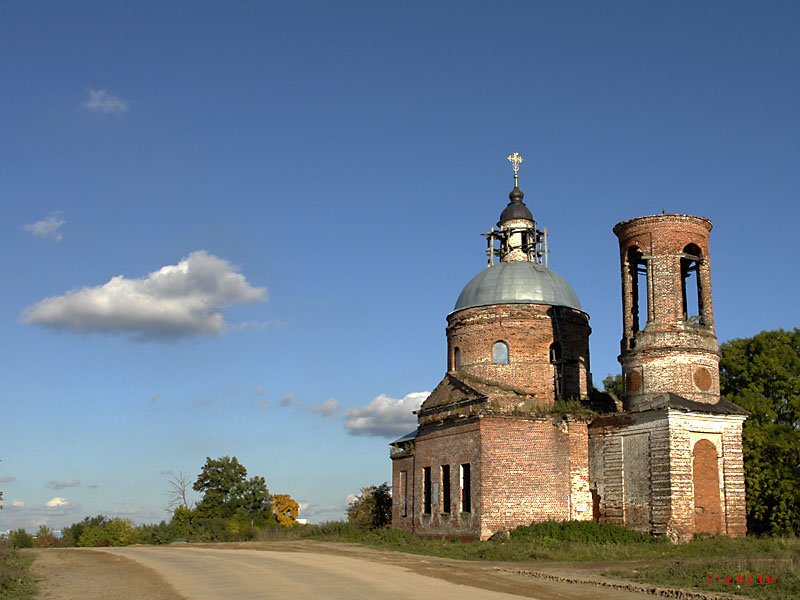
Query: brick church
pixel 515 432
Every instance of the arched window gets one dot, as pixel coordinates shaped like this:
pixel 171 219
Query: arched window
pixel 639 292
pixel 557 360
pixel 500 353
pixel 457 359
pixel 691 287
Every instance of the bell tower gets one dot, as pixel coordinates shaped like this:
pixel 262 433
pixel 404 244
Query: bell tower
pixel 668 341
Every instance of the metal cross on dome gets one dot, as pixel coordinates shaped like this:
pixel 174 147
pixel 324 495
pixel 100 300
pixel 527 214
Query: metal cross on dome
pixel 515 159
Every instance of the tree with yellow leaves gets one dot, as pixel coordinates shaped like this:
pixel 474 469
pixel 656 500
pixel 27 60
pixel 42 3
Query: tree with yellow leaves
pixel 285 509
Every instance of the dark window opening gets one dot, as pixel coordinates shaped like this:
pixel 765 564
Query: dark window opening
pixel 457 359
pixel 500 353
pixel 691 287
pixel 446 489
pixel 466 489
pixel 558 362
pixel 404 491
pixel 426 490
pixel 639 292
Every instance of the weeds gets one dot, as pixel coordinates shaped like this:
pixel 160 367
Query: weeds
pixel 16 581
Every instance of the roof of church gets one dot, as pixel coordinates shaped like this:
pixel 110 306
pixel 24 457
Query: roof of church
pixel 670 400
pixel 517 282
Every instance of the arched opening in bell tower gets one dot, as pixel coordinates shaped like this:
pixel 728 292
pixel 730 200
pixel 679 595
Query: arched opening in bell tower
pixel 637 271
pixel 691 285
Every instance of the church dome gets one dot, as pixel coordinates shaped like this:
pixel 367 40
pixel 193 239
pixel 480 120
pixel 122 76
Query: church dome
pixel 517 282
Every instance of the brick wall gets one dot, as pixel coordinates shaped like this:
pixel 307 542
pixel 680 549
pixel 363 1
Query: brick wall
pixel 529 330
pixel 637 455
pixel 668 353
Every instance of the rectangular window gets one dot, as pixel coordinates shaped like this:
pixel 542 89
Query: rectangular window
pixel 404 491
pixel 466 489
pixel 446 489
pixel 426 490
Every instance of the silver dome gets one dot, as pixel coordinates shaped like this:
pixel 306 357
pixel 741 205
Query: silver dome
pixel 517 282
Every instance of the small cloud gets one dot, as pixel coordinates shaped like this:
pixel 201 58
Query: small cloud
pixel 385 416
pixel 329 408
pixel 154 398
pixel 92 487
pixel 47 227
pixel 100 101
pixel 201 402
pixel 260 389
pixel 265 403
pixel 57 502
pixel 134 510
pixel 168 472
pixel 57 485
pixel 18 503
pixel 176 301
pixel 288 400
pixel 7 479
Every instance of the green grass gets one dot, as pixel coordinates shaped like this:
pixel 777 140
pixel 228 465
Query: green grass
pixel 16 580
pixel 696 574
pixel 677 565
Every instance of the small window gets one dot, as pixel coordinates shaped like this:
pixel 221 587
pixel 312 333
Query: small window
pixel 466 489
pixel 457 359
pixel 446 489
pixel 500 353
pixel 426 490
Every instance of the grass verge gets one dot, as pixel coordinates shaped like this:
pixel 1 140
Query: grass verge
pixel 16 580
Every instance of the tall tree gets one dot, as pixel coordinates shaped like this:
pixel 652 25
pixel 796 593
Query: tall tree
pixel 227 491
pixel 373 507
pixel 285 509
pixel 762 375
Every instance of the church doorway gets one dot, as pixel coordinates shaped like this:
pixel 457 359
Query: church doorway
pixel 705 475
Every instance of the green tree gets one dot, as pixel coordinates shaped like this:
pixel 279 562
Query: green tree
pixel 227 492
pixel 372 508
pixel 73 533
pixel 612 384
pixel 762 375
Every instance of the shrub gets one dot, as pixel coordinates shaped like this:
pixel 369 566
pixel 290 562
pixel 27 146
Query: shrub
pixel 581 531
pixel 20 538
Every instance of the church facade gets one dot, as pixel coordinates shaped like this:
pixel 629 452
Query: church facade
pixel 515 432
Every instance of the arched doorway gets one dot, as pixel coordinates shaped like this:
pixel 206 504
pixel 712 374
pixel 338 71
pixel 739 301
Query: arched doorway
pixel 705 475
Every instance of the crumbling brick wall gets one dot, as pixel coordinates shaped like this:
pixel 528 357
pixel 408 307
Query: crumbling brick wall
pixel 667 351
pixel 529 330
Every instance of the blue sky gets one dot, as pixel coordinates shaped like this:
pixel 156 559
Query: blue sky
pixel 237 228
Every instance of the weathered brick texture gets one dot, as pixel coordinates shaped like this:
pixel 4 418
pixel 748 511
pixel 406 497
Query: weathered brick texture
pixel 529 330
pixel 667 352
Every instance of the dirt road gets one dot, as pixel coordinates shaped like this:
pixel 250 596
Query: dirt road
pixel 288 570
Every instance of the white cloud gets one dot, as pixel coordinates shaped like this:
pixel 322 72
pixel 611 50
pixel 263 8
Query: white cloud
pixel 47 227
pixel 202 402
pixel 57 502
pixel 329 408
pixel 154 398
pixel 7 479
pixel 57 485
pixel 18 503
pixel 266 403
pixel 100 101
pixel 176 301
pixel 288 400
pixel 385 416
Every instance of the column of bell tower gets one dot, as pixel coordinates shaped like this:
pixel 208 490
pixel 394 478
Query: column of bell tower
pixel 668 341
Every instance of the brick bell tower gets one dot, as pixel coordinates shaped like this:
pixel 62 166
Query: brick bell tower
pixel 671 463
pixel 668 341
